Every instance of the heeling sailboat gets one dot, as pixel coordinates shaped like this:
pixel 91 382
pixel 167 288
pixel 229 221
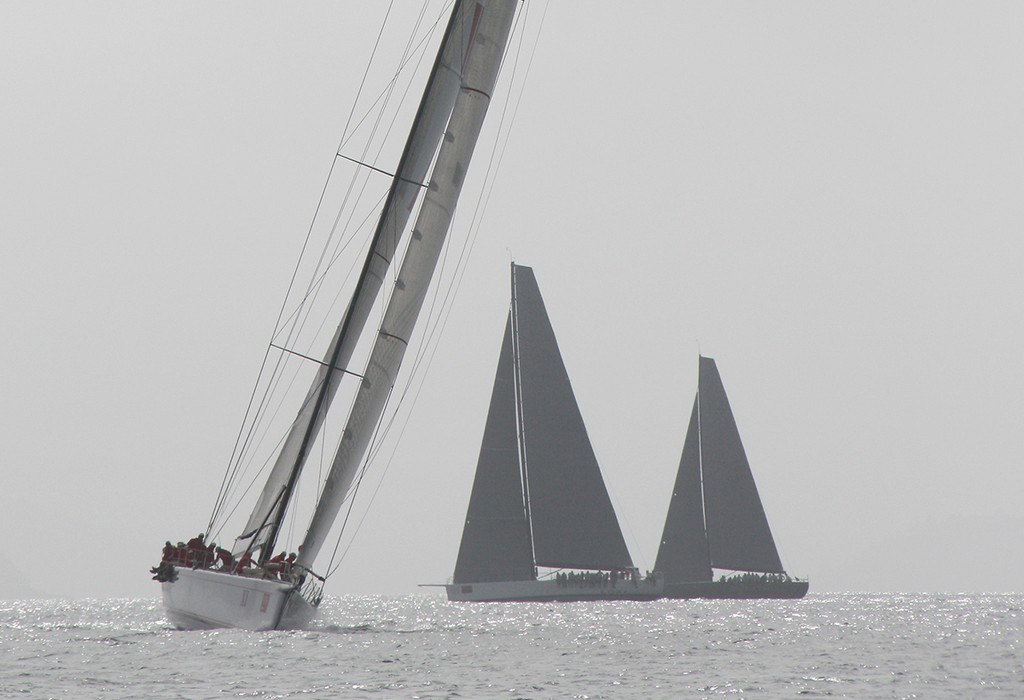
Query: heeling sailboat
pixel 250 589
pixel 538 499
pixel 715 518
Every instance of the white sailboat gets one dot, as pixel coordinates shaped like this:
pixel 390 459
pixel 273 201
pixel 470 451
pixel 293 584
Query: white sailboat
pixel 250 588
pixel 538 498
pixel 715 517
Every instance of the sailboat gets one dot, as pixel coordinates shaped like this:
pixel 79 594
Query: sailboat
pixel 248 587
pixel 715 518
pixel 538 500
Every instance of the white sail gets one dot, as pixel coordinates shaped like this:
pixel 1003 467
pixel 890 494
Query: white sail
pixel 490 22
pixel 425 135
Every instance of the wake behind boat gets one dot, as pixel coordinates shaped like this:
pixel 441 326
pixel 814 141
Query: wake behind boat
pixel 248 586
pixel 538 499
pixel 715 518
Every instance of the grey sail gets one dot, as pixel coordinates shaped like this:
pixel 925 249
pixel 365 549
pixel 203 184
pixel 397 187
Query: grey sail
pixel 489 25
pixel 496 537
pixel 425 135
pixel 574 524
pixel 738 534
pixel 683 553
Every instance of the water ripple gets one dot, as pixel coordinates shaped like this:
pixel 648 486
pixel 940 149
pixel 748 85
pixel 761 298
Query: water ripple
pixel 854 645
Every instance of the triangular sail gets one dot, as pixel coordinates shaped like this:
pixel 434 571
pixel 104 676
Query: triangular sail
pixel 424 137
pixel 496 537
pixel 738 532
pixel 574 524
pixel 489 23
pixel 683 553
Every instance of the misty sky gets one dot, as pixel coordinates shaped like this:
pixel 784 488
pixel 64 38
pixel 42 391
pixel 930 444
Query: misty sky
pixel 824 197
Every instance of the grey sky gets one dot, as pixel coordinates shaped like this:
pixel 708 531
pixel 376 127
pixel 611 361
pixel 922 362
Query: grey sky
pixel 824 197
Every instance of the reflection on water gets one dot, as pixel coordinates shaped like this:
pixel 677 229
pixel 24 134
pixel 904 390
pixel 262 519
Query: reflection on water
pixel 825 645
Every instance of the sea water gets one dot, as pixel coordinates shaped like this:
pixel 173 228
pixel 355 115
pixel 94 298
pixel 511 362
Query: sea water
pixel 849 645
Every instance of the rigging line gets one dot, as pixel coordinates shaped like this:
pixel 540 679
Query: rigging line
pixel 320 396
pixel 323 275
pixel 411 47
pixel 229 473
pixel 366 73
pixel 319 362
pixel 258 419
pixel 386 96
pixel 389 91
pixel 382 171
pixel 238 502
pixel 278 373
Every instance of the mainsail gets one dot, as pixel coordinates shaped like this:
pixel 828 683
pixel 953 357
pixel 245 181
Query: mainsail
pixel 485 28
pixel 425 135
pixel 715 518
pixel 565 504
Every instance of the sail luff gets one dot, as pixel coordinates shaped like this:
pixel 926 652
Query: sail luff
pixel 491 22
pixel 424 137
pixel 518 423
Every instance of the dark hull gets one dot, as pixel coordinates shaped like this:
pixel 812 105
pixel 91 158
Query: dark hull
pixel 737 589
pixel 550 591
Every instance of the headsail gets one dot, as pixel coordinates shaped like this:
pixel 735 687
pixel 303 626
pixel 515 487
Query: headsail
pixel 738 532
pixel 486 25
pixel 574 524
pixel 496 537
pixel 683 553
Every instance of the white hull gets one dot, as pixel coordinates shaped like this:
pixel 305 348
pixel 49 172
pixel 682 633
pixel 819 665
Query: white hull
pixel 205 599
pixel 553 591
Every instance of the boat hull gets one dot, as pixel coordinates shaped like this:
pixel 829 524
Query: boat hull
pixel 737 589
pixel 549 591
pixel 204 599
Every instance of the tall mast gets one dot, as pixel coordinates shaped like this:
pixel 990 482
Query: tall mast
pixel 700 462
pixel 520 422
pixel 364 288
pixel 487 27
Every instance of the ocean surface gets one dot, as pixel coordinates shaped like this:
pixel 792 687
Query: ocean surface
pixel 828 645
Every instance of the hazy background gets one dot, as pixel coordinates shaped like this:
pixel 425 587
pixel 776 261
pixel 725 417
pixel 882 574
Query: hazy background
pixel 824 197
